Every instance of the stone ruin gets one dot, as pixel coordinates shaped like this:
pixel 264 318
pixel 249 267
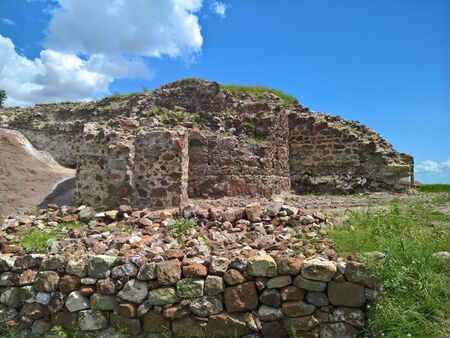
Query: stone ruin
pixel 194 138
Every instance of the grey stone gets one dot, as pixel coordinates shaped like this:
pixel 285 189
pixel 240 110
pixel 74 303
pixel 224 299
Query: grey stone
pixel 346 294
pixel 318 268
pixel 76 302
pixel 103 302
pixel 338 330
pixel 303 283
pixel 317 298
pixel 77 267
pixel 134 291
pixel 10 297
pixel 219 265
pixel 91 320
pixel 206 306
pixel 99 265
pixel 42 298
pixel 214 285
pixel 147 271
pixel 268 313
pixel 279 282
pixel 128 269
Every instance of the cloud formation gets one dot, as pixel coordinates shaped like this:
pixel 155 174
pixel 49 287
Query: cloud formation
pixel 148 28
pixel 8 22
pixel 57 76
pixel 432 167
pixel 219 8
pixel 89 44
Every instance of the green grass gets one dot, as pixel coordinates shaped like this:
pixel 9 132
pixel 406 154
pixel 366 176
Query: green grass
pixel 181 227
pixel 261 91
pixel 169 117
pixel 414 297
pixel 435 188
pixel 35 241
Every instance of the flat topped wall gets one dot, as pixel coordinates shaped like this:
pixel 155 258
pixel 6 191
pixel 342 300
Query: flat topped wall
pixel 263 296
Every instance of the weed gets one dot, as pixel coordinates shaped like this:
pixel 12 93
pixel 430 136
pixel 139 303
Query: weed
pixel 262 92
pixel 36 240
pixel 181 227
pixel 414 295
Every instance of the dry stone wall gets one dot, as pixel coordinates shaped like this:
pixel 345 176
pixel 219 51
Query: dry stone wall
pixel 329 154
pixel 264 296
pixel 104 176
pixel 255 165
pixel 160 170
pixel 147 168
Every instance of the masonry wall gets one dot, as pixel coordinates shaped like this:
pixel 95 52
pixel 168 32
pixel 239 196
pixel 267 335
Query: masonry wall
pixel 263 296
pixel 160 170
pixel 329 154
pixel 146 168
pixel 104 169
pixel 222 165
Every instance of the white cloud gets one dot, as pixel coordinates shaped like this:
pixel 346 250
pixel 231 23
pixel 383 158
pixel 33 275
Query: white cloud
pixel 432 167
pixel 219 8
pixel 57 76
pixel 148 28
pixel 7 21
pixel 89 44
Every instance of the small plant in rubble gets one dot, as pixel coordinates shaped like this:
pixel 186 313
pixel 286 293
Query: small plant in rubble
pixel 181 227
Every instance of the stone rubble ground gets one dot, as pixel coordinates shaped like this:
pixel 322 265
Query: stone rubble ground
pixel 252 271
pixel 126 232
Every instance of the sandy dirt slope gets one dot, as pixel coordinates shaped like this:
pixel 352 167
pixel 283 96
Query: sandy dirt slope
pixel 27 175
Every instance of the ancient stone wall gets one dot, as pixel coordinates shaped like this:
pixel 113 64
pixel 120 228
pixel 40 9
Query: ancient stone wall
pixel 266 296
pixel 329 154
pixel 160 169
pixel 118 166
pixel 255 165
pixel 104 176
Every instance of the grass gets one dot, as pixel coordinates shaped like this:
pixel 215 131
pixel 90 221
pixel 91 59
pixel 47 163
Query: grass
pixel 414 297
pixel 181 227
pixel 435 188
pixel 177 116
pixel 36 241
pixel 261 91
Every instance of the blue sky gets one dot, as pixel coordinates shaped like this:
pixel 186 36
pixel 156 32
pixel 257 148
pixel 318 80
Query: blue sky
pixel 385 63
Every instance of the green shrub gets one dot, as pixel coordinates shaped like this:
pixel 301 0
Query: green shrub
pixel 414 297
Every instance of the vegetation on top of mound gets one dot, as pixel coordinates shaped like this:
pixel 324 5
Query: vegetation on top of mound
pixel 262 91
pixel 435 188
pixel 414 296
